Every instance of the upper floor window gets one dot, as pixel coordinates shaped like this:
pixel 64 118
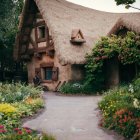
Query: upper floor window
pixel 41 31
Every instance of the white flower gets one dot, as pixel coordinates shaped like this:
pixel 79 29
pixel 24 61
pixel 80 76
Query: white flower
pixel 131 88
pixel 76 85
pixel 136 103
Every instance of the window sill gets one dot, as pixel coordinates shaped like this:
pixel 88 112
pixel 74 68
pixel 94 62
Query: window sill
pixel 47 81
pixel 43 39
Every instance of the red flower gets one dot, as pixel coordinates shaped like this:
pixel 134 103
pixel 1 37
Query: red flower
pixel 16 129
pixel 2 131
pixel 28 131
pixel 26 128
pixel 20 132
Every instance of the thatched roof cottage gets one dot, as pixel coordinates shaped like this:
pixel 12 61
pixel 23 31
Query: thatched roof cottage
pixel 55 35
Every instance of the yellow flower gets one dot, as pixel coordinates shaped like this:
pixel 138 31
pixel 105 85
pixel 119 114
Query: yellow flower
pixel 7 108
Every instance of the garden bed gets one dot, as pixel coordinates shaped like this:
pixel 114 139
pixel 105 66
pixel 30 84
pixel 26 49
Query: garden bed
pixel 17 103
pixel 121 110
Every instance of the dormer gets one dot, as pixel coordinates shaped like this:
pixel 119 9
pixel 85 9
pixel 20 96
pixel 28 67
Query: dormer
pixel 77 37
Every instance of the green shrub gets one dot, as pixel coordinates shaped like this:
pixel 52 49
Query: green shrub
pixel 11 93
pixel 136 87
pixel 77 88
pixel 125 49
pixel 29 106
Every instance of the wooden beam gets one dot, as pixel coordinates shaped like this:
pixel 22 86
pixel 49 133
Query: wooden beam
pixel 33 43
pixel 41 50
pixel 47 36
pixel 49 64
pixel 40 23
pixel 36 37
pixel 39 16
pixel 41 40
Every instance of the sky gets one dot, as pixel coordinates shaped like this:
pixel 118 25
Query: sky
pixel 106 5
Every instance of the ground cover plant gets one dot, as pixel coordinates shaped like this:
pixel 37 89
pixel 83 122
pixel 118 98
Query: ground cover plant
pixel 18 101
pixel 121 110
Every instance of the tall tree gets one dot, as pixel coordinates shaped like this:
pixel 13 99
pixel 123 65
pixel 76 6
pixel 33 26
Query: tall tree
pixel 127 3
pixel 9 12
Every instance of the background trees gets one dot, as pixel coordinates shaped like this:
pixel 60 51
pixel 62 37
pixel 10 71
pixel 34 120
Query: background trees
pixel 118 2
pixel 9 13
pixel 127 3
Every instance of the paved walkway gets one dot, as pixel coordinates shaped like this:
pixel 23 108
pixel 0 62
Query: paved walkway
pixel 70 118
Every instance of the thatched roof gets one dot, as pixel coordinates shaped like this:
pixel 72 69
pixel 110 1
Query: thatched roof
pixel 132 24
pixel 62 17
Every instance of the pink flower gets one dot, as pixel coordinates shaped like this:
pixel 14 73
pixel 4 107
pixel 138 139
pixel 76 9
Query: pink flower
pixel 1 126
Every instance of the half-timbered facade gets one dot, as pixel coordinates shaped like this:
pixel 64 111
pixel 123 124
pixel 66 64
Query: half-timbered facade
pixel 55 35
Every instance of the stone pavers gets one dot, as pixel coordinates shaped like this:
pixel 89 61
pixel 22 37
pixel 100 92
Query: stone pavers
pixel 71 118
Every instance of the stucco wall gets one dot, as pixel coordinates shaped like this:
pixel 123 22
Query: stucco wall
pixel 77 72
pixel 64 71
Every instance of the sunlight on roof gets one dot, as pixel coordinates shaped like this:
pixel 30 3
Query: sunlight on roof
pixel 106 5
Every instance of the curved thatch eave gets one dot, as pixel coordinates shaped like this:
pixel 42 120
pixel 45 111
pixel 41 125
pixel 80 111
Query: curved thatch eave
pixel 62 17
pixel 132 25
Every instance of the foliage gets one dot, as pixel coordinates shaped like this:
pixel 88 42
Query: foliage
pixel 121 110
pixel 16 102
pixel 11 93
pixel 136 84
pixel 125 49
pixel 8 115
pixel 23 133
pixel 29 107
pixel 9 11
pixel 125 1
pixel 77 88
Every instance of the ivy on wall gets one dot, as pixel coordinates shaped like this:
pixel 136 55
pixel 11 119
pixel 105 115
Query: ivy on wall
pixel 126 49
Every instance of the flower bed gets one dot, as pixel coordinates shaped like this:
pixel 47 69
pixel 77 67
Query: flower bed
pixel 18 101
pixel 121 110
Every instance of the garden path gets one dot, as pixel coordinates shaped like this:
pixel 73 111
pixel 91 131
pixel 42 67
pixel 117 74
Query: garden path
pixel 71 118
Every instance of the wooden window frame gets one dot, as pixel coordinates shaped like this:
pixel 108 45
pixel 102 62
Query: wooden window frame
pixel 43 66
pixel 55 72
pixel 41 39
pixel 37 26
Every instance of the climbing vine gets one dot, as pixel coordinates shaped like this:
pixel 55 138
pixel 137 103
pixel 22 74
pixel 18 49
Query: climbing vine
pixel 126 49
